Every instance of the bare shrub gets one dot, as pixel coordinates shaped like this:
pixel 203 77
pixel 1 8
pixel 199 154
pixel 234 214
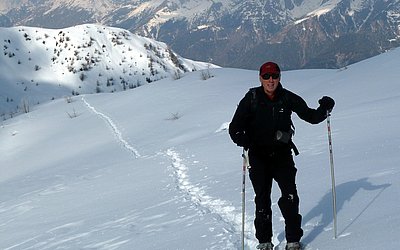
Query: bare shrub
pixel 69 99
pixel 174 116
pixel 73 114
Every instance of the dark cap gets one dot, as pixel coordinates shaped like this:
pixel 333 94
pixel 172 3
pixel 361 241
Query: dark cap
pixel 270 68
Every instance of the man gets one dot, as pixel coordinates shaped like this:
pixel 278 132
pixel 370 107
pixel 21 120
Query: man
pixel 262 124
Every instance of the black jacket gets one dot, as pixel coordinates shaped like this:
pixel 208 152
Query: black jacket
pixel 254 125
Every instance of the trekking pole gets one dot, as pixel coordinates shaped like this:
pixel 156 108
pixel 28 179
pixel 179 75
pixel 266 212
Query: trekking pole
pixel 246 165
pixel 328 122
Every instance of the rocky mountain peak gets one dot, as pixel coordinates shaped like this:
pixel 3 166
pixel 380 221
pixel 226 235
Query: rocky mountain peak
pixel 296 33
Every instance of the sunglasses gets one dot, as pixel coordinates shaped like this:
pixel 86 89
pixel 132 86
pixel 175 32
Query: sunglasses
pixel 267 76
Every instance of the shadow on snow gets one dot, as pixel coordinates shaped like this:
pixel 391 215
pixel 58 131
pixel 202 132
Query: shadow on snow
pixel 324 208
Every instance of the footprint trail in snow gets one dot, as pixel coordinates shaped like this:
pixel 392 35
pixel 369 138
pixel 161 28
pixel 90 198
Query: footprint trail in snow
pixel 222 210
pixel 114 129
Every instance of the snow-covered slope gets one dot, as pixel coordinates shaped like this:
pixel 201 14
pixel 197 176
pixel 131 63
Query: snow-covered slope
pixel 38 65
pixel 154 168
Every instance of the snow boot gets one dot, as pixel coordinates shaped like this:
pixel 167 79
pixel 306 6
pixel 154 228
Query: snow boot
pixel 293 246
pixel 265 246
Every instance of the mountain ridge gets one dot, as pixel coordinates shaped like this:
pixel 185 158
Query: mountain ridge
pixel 81 59
pixel 230 33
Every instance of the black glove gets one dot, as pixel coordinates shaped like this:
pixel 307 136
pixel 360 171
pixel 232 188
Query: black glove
pixel 326 103
pixel 242 140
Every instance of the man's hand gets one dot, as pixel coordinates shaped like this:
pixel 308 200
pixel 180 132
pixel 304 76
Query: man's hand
pixel 242 140
pixel 326 103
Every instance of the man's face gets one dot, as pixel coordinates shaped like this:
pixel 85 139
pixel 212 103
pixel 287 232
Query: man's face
pixel 270 82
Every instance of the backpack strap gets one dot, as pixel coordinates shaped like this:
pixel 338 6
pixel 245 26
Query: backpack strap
pixel 253 100
pixel 294 148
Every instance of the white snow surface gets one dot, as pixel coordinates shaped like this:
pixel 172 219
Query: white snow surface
pixel 154 167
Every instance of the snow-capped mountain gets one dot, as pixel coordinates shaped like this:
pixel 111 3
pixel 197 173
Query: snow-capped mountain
pixel 78 60
pixel 297 33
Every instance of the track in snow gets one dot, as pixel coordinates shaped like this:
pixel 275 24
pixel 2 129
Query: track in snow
pixel 204 203
pixel 114 129
pixel 222 210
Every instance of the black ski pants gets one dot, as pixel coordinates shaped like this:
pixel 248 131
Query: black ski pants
pixel 278 165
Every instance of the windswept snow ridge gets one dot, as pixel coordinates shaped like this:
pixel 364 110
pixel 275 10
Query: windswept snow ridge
pixel 206 204
pixel 114 129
